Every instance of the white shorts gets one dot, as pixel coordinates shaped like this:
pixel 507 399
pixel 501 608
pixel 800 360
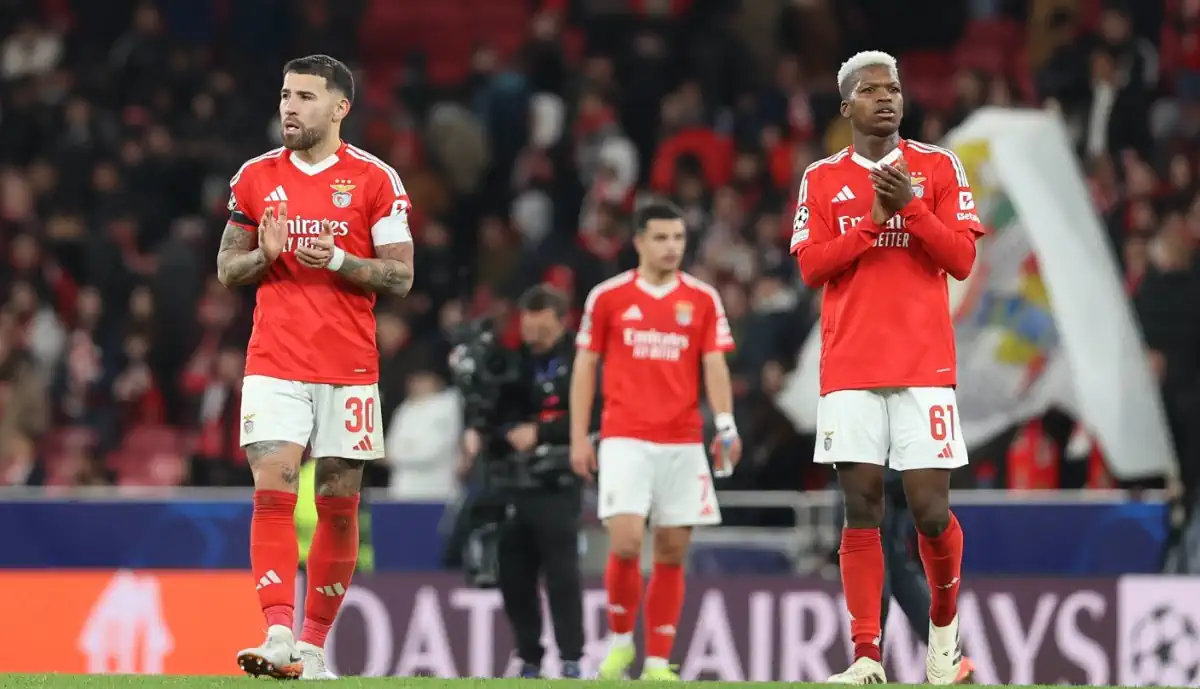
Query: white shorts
pixel 336 420
pixel 904 428
pixel 671 484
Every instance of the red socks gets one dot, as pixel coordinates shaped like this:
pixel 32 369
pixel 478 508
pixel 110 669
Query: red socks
pixel 623 581
pixel 862 580
pixel 664 603
pixel 942 557
pixel 331 563
pixel 274 554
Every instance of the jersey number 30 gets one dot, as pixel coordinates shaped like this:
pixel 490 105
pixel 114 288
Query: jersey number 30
pixel 362 415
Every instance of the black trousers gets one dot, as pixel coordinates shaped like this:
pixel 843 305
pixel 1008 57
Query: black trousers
pixel 540 539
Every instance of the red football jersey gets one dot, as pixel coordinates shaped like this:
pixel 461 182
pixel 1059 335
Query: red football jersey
pixel 652 338
pixel 313 325
pixel 885 311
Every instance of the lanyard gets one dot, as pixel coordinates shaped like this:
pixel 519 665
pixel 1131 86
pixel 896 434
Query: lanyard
pixel 547 372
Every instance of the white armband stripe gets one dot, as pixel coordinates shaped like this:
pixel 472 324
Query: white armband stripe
pixel 391 229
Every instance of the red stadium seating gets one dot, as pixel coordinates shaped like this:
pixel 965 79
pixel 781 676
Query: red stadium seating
pixel 447 31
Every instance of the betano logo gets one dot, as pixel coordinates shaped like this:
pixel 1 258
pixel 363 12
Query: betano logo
pixel 125 632
pixel 141 622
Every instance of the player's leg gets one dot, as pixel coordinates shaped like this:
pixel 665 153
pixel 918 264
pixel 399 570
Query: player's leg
pixel 926 445
pixel 906 581
pixel 885 600
pixel 683 498
pixel 626 473
pixel 852 435
pixel 348 433
pixel 276 423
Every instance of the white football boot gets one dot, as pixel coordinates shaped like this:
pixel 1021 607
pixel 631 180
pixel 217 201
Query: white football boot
pixel 863 671
pixel 943 661
pixel 277 657
pixel 314 662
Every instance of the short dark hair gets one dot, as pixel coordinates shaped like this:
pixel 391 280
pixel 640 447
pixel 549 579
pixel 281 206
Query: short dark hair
pixel 542 297
pixel 659 210
pixel 335 72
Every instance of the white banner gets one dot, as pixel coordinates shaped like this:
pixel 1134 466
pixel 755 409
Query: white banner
pixel 1043 320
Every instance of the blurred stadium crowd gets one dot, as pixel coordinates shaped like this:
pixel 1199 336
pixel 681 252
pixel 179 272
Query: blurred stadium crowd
pixel 524 131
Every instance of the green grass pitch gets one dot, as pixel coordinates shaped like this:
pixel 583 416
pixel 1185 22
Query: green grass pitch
pixel 176 682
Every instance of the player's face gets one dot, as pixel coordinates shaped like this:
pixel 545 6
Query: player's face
pixel 876 105
pixel 661 245
pixel 308 109
pixel 539 329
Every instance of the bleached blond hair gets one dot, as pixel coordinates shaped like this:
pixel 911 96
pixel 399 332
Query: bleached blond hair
pixel 867 58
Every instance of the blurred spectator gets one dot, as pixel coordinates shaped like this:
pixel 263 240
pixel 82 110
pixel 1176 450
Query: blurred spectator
pixel 423 440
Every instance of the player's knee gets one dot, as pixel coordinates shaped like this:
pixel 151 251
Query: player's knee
pixel 275 465
pixel 625 536
pixel 671 545
pixel 931 516
pixel 928 495
pixel 863 511
pixel 625 548
pixel 337 477
pixel 862 490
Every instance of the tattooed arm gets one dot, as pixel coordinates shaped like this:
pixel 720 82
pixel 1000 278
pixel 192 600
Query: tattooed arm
pixel 390 273
pixel 240 261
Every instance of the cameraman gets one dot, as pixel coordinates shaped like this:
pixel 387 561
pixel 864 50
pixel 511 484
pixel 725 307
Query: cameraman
pixel 540 536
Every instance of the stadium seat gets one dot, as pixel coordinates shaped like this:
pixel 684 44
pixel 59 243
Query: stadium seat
pixel 141 443
pixel 1002 32
pixel 935 93
pixel 991 58
pixel 924 64
pixel 159 469
pixel 64 439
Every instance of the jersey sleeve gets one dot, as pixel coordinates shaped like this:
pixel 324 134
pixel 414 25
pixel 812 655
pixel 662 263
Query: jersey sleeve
pixel 809 224
pixel 389 210
pixel 242 210
pixel 717 335
pixel 954 204
pixel 822 252
pixel 593 325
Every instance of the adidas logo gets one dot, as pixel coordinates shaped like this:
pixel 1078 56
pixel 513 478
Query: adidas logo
pixel 946 453
pixel 844 195
pixel 267 579
pixel 633 313
pixel 331 590
pixel 364 444
pixel 278 195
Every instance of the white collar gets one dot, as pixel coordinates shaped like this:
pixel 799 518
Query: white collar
pixel 871 164
pixel 311 169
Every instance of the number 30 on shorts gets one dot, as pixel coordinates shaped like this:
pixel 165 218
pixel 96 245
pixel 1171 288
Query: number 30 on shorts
pixel 942 423
pixel 362 414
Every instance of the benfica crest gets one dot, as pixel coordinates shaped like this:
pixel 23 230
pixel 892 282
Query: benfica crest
pixel 683 312
pixel 341 192
pixel 918 185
